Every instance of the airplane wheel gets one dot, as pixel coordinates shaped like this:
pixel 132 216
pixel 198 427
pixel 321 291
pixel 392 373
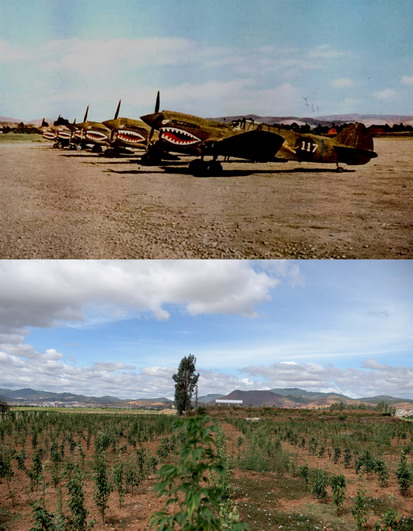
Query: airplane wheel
pixel 149 160
pixel 97 149
pixel 110 152
pixel 215 168
pixel 198 168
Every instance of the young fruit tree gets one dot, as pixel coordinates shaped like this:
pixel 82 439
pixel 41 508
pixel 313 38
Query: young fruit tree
pixel 185 382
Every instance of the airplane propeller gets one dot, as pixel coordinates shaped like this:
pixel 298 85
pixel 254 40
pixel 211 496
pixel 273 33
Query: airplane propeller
pixel 117 110
pixel 86 113
pixel 157 107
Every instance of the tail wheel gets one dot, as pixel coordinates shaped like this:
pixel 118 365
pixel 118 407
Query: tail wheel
pixel 198 168
pixel 201 168
pixel 215 168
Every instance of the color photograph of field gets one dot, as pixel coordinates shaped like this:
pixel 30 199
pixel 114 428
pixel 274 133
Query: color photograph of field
pixel 282 469
pixel 63 204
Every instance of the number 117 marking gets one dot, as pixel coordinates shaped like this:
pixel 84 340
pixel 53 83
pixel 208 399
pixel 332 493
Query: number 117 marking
pixel 306 145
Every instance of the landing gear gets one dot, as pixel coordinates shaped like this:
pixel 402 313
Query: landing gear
pixel 149 159
pixel 97 148
pixel 111 152
pixel 152 157
pixel 202 168
pixel 339 169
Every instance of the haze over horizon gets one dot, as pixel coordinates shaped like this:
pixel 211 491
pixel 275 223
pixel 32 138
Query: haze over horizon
pixel 212 58
pixel 120 328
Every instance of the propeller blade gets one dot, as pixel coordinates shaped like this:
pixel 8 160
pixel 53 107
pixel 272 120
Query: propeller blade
pixel 117 110
pixel 86 113
pixel 158 102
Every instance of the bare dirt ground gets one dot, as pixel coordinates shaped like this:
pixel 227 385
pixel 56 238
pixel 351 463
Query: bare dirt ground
pixel 63 204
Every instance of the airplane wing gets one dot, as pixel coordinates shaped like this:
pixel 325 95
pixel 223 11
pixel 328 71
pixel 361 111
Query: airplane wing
pixel 259 146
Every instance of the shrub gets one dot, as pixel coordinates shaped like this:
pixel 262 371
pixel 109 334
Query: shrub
pixel 338 487
pixel 404 476
pixel 193 483
pixel 359 510
pixel 318 481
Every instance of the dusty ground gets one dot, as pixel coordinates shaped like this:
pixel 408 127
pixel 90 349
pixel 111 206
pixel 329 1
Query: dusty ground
pixel 63 204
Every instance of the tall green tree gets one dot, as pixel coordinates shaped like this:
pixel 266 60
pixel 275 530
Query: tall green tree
pixel 185 381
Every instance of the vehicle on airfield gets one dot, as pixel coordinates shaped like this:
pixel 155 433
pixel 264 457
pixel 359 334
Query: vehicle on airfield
pixel 59 132
pixel 126 134
pixel 246 139
pixel 90 133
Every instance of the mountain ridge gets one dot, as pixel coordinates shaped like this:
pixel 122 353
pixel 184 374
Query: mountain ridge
pixel 292 397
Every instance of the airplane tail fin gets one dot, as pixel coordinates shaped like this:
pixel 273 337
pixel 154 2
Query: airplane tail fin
pixel 356 136
pixel 355 145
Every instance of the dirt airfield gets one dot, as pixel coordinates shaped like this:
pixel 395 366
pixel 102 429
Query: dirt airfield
pixel 65 204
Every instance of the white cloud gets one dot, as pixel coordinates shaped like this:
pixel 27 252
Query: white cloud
pixel 232 97
pixel 386 94
pixel 343 82
pixel 371 380
pixel 10 52
pixel 406 80
pixel 43 293
pixel 97 57
pixel 285 269
pixel 326 51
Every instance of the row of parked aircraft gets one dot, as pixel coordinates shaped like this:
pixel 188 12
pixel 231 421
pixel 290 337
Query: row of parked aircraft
pixel 165 133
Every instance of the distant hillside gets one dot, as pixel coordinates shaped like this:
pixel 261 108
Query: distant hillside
pixel 384 398
pixel 336 119
pixel 209 398
pixel 26 396
pixel 283 398
pixel 9 120
pixel 307 396
pixel 29 395
pixel 259 398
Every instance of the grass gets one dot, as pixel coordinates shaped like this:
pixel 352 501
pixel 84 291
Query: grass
pixel 262 500
pixel 259 506
pixel 86 410
pixel 19 138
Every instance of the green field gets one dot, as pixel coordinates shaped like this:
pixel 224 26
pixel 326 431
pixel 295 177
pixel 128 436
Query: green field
pixel 13 138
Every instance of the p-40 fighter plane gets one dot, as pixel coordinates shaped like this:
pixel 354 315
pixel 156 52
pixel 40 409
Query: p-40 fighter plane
pixel 126 133
pixel 59 133
pixel 192 135
pixel 94 133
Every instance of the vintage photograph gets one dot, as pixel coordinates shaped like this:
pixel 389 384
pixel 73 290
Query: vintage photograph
pixel 206 274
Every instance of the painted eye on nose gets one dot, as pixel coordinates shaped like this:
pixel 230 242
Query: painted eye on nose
pixel 164 122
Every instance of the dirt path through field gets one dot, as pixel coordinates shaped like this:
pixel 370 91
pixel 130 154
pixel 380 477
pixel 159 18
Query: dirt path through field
pixel 63 204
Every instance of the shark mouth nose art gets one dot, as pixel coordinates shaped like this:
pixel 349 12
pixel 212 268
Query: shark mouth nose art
pixel 130 136
pixel 178 136
pixel 63 135
pixel 49 135
pixel 96 136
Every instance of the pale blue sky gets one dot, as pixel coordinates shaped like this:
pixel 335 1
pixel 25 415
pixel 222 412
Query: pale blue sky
pixel 121 328
pixel 209 57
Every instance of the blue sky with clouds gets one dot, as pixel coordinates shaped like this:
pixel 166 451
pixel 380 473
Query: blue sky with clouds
pixel 215 57
pixel 121 327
